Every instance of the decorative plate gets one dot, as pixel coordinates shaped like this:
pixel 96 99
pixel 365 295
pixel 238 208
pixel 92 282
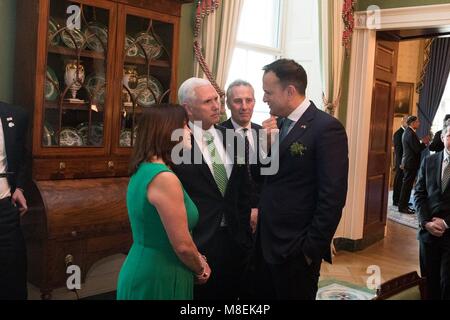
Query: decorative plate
pixel 77 35
pixel 151 45
pixel 96 85
pixel 47 136
pixel 96 36
pixel 69 137
pixel 144 96
pixel 131 50
pixel 125 137
pixel 51 85
pixel 96 137
pixel 53 27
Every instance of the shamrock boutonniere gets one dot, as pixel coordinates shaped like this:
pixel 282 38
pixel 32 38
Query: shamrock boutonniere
pixel 298 149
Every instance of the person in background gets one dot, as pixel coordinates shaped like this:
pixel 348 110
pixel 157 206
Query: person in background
pixel 220 189
pixel 163 262
pixel 432 197
pixel 436 145
pixel 412 148
pixel 398 152
pixel 13 259
pixel 300 205
pixel 241 102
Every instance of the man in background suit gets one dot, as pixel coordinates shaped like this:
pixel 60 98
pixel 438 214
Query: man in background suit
pixel 412 148
pixel 437 145
pixel 241 102
pixel 432 197
pixel 300 205
pixel 13 268
pixel 398 151
pixel 220 191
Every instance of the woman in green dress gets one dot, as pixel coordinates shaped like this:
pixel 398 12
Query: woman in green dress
pixel 163 262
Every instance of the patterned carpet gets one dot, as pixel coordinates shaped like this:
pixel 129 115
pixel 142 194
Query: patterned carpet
pixel 409 220
pixel 332 289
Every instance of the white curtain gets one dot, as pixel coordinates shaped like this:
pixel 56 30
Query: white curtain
pixel 219 38
pixel 332 53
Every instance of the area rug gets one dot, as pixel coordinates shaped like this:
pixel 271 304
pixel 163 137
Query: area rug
pixel 332 289
pixel 409 220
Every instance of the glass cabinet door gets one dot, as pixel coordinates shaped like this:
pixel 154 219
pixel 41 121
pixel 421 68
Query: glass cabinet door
pixel 76 97
pixel 145 68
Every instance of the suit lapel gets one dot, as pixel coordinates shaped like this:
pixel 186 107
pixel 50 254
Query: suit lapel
pixel 7 131
pixel 299 129
pixel 438 166
pixel 229 150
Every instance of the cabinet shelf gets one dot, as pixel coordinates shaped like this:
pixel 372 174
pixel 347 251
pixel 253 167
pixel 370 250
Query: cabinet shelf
pixel 100 56
pixel 71 106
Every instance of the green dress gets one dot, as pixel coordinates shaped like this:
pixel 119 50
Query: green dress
pixel 152 270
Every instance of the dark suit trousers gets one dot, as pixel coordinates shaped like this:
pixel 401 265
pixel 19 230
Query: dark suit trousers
pixel 409 175
pixel 13 263
pixel 293 279
pixel 398 182
pixel 435 266
pixel 228 262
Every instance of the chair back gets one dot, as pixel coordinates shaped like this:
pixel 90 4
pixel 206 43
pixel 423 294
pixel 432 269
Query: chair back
pixel 405 287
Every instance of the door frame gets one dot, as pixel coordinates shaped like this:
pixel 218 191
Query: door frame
pixel 360 98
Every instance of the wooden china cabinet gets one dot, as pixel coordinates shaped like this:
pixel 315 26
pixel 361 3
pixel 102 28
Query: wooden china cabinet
pixel 86 69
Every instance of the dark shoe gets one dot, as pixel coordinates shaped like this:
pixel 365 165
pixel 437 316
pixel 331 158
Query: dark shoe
pixel 395 204
pixel 406 210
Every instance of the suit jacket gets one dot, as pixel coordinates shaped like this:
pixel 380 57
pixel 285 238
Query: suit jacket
pixel 199 183
pixel 301 205
pixel 398 147
pixel 412 148
pixel 15 123
pixel 437 144
pixel 430 200
pixel 255 186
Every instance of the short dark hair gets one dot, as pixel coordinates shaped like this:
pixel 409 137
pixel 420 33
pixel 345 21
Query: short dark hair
pixel 410 120
pixel 154 133
pixel 447 116
pixel 290 73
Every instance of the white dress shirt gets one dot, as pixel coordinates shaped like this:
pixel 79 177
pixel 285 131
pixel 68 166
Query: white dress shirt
pixel 240 129
pixel 198 136
pixel 5 190
pixel 298 112
pixel 445 163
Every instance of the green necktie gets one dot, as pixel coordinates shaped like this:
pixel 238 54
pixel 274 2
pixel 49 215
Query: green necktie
pixel 284 129
pixel 219 172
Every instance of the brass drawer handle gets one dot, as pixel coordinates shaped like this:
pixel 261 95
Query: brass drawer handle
pixel 74 233
pixel 62 166
pixel 69 260
pixel 110 164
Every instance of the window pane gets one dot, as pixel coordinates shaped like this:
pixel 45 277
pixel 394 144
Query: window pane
pixel 259 22
pixel 444 108
pixel 247 65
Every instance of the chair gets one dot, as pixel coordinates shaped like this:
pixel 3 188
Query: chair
pixel 405 287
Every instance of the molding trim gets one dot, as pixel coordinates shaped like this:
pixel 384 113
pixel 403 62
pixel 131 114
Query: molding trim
pixel 402 18
pixel 360 98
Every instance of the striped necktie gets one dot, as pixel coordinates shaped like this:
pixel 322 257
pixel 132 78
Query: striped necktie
pixel 219 172
pixel 445 174
pixel 284 129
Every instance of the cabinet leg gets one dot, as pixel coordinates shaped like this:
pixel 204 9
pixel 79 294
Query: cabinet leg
pixel 46 294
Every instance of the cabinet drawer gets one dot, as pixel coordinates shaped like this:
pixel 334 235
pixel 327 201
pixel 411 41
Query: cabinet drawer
pixel 59 169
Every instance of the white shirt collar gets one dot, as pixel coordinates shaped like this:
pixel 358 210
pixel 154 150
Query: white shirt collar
pixel 238 127
pixel 198 131
pixel 446 155
pixel 300 110
pixel 412 128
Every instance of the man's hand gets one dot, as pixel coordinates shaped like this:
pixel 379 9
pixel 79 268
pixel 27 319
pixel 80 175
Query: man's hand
pixel 270 126
pixel 426 140
pixel 253 219
pixel 435 228
pixel 18 199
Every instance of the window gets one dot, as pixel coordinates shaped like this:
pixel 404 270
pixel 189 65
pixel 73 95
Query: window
pixel 258 44
pixel 271 29
pixel 444 108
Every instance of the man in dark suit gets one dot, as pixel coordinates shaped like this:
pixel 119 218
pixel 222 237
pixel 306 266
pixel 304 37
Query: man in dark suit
pixel 301 204
pixel 13 269
pixel 436 145
pixel 220 190
pixel 412 148
pixel 398 151
pixel 432 197
pixel 241 102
